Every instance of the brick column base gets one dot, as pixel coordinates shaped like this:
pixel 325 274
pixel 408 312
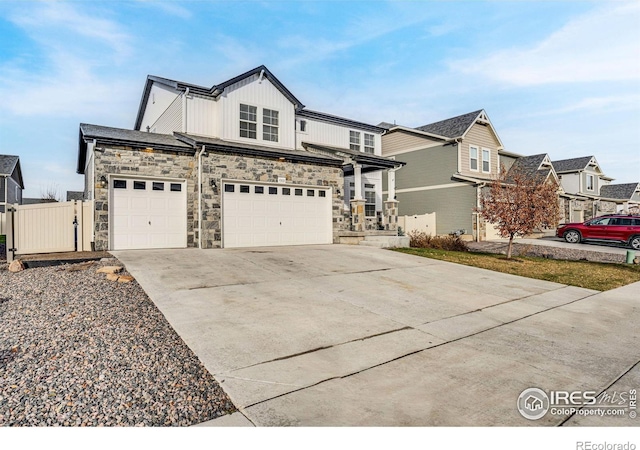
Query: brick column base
pixel 391 215
pixel 358 221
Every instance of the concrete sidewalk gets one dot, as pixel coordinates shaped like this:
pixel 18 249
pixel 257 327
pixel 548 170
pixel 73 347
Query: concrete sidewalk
pixel 347 335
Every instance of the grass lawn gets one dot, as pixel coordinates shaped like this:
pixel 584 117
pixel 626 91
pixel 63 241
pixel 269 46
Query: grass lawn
pixel 590 275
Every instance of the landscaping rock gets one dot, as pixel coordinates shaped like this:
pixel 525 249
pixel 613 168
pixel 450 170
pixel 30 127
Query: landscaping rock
pixel 112 277
pixel 16 266
pixel 125 279
pixel 109 269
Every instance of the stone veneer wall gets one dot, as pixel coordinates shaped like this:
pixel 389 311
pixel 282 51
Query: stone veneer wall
pixel 236 167
pixel 128 162
pixel 125 161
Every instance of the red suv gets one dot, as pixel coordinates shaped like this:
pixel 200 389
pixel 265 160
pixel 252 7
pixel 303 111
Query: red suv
pixel 613 227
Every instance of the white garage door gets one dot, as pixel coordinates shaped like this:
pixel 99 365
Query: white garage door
pixel 148 214
pixel 256 215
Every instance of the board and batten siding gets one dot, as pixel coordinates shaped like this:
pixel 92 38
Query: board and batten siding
pixel 333 135
pixel 160 98
pixel 399 141
pixel 453 206
pixel 201 116
pixel 482 137
pixel 170 120
pixel 261 94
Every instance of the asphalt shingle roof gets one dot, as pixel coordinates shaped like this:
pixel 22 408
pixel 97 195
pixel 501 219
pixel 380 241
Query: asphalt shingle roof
pixel 123 136
pixel 7 164
pixel 568 165
pixel 453 127
pixel 618 191
pixel 530 166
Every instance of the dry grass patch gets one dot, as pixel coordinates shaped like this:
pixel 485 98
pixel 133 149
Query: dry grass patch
pixel 589 275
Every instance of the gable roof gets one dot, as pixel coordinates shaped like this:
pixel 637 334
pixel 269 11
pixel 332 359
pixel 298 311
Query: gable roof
pixel 534 166
pixel 214 91
pixel 128 138
pixel 9 164
pixel 453 127
pixel 619 191
pixel 572 164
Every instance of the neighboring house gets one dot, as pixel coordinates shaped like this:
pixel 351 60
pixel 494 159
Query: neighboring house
pixel 582 180
pixel 75 195
pixel 626 196
pixel 11 182
pixel 241 163
pixel 448 164
pixel 37 201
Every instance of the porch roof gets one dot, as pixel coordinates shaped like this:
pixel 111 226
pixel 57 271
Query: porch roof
pixel 368 161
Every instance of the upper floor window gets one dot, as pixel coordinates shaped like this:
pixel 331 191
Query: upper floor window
pixel 303 126
pixel 473 158
pixel 369 143
pixel 354 140
pixel 248 121
pixel 486 160
pixel 270 125
pixel 590 182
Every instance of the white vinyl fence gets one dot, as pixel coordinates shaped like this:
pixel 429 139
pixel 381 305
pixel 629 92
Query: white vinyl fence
pixel 424 222
pixel 48 228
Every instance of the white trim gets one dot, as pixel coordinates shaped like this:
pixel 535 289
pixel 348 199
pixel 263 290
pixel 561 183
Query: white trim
pixel 430 188
pixel 477 158
pixel 488 160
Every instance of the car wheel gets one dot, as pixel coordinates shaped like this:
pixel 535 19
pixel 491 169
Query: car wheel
pixel 634 242
pixel 572 237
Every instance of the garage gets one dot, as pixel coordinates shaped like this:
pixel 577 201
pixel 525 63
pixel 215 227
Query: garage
pixel 148 213
pixel 262 214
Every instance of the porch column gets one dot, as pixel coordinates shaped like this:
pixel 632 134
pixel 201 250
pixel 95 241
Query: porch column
pixel 391 184
pixel 357 172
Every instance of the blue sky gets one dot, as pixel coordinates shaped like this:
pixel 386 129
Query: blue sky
pixel 555 77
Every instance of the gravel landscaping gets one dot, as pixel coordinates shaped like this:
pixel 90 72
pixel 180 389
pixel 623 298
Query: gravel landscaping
pixel 79 350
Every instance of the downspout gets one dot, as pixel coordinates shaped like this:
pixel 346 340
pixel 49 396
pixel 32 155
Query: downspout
pixel 93 193
pixel 200 153
pixel 184 110
pixel 478 194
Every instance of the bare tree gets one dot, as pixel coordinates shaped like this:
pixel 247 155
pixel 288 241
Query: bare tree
pixel 50 194
pixel 518 203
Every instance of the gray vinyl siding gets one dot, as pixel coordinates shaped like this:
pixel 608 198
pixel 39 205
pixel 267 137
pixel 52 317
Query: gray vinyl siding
pixel 507 161
pixel 453 206
pixel 11 192
pixel 427 167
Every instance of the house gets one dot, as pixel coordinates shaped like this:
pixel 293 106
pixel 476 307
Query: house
pixel 11 182
pixel 448 164
pixel 75 195
pixel 582 180
pixel 626 196
pixel 241 163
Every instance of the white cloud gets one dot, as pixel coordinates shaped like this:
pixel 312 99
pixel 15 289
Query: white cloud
pixel 602 45
pixel 169 7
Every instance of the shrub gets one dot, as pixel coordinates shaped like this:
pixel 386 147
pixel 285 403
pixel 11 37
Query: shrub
pixel 420 239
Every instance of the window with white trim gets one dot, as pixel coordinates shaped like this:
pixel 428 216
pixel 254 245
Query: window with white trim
pixel 369 143
pixel 248 121
pixel 369 200
pixel 352 191
pixel 303 126
pixel 590 182
pixel 354 140
pixel 269 125
pixel 473 158
pixel 486 160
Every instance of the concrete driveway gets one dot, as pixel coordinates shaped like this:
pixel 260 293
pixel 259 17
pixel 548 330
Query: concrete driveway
pixel 357 336
pixel 591 246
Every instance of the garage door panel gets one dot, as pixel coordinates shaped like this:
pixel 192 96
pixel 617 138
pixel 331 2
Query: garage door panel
pixel 267 218
pixel 148 218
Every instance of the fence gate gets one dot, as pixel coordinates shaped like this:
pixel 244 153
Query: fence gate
pixel 48 228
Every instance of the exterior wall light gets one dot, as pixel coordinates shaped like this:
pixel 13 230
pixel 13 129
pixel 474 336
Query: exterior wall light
pixel 103 182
